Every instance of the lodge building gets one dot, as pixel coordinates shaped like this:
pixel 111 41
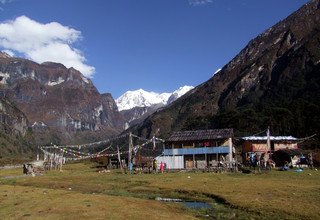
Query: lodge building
pixel 198 149
pixel 278 145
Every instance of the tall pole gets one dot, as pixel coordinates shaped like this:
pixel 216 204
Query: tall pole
pixel 154 142
pixel 268 144
pixel 230 152
pixel 38 157
pixel 119 157
pixel 130 149
pixel 61 159
pixel 268 139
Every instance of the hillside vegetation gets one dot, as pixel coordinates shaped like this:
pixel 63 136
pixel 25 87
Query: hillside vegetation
pixel 274 81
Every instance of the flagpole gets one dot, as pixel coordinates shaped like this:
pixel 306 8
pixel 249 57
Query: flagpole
pixel 268 142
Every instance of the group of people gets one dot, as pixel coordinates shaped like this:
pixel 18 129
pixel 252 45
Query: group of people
pixel 154 167
pixel 305 160
pixel 162 166
pixel 262 161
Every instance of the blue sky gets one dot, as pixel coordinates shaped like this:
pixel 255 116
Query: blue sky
pixel 156 45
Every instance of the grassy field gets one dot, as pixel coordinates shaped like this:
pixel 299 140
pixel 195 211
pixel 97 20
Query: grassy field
pixel 79 192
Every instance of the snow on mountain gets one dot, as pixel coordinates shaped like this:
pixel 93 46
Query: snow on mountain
pixel 217 71
pixel 178 93
pixel 141 98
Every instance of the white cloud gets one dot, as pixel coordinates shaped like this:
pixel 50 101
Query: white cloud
pixel 199 2
pixel 44 42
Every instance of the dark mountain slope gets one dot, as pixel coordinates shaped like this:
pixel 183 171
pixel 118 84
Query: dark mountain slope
pixel 61 105
pixel 273 81
pixel 16 139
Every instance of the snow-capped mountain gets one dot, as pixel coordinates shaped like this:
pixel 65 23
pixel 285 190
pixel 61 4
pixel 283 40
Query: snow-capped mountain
pixel 178 93
pixel 139 104
pixel 141 98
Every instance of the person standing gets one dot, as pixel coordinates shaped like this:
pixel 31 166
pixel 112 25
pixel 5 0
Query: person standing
pixel 155 166
pixel 130 167
pixel 161 167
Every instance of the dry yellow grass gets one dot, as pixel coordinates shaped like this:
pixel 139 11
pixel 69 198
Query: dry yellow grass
pixel 282 194
pixel 19 202
pixel 10 172
pixel 275 195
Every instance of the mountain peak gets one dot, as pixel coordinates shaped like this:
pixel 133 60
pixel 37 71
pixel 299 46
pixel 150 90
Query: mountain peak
pixel 178 93
pixel 53 65
pixel 142 98
pixel 4 55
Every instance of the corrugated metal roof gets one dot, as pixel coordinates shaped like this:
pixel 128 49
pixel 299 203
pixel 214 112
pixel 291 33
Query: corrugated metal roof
pixel 272 138
pixel 201 135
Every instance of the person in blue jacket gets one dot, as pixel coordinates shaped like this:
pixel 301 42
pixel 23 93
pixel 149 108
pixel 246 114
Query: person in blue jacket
pixel 130 167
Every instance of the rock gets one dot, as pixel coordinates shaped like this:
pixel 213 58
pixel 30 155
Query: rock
pixel 60 104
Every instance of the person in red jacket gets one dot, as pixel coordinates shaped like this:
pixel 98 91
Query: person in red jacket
pixel 162 167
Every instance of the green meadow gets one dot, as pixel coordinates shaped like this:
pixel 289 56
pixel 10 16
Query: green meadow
pixel 80 192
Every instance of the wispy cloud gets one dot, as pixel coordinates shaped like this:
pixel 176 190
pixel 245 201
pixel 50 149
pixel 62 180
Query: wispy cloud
pixel 199 2
pixel 44 42
pixel 5 1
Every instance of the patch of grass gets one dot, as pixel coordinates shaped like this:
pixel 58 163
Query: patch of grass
pixel 10 172
pixel 273 195
pixel 20 202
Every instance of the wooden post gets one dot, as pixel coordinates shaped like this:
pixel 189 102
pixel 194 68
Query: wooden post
pixel 154 142
pixel 230 152
pixel 268 144
pixel 119 159
pixel 163 148
pixel 206 159
pixel 110 162
pixel 61 159
pixel 130 149
pixel 38 158
pixel 194 161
